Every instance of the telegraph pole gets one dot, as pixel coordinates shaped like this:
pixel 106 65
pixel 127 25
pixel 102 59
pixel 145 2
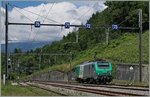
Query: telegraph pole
pixel 140 45
pixel 6 40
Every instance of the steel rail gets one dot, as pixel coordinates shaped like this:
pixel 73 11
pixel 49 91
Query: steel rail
pixel 130 87
pixel 46 89
pixel 89 90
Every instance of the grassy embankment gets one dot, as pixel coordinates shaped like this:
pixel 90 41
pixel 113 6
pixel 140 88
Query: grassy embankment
pixel 122 50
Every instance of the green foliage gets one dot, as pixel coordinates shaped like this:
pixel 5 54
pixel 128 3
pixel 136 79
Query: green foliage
pixel 17 50
pixel 127 10
pixel 13 75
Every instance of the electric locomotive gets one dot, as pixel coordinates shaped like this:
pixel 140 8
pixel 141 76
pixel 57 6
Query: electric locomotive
pixel 94 72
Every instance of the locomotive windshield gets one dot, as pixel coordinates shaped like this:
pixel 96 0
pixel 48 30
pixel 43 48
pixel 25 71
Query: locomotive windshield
pixel 103 65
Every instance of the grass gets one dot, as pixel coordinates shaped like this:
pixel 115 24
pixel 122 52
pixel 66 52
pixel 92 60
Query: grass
pixel 9 90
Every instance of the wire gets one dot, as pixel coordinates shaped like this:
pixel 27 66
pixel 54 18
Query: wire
pixel 44 19
pixel 36 19
pixel 81 16
pixel 27 18
pixel 126 18
pixel 33 13
pixel 23 14
pixel 84 13
pixel 40 12
pixel 50 9
pixel 123 21
pixel 36 14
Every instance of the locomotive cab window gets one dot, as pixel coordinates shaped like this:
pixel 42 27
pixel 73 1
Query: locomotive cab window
pixel 103 65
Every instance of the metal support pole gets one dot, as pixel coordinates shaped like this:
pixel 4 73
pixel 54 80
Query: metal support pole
pixel 18 66
pixel 55 59
pixel 140 45
pixel 69 75
pixel 77 37
pixel 107 36
pixel 40 61
pixel 6 40
pixel 70 60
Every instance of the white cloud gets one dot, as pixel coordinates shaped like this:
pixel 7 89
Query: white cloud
pixel 60 12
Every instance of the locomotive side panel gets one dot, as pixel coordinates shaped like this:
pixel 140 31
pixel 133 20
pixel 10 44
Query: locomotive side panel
pixel 89 71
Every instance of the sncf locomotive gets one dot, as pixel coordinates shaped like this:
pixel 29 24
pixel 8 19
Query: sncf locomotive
pixel 94 72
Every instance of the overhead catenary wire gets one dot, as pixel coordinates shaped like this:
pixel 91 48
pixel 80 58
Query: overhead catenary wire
pixel 36 19
pixel 126 18
pixel 50 9
pixel 84 13
pixel 81 16
pixel 24 15
pixel 40 12
pixel 3 27
pixel 35 13
pixel 44 18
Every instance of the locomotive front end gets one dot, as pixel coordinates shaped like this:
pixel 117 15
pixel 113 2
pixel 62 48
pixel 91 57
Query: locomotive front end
pixel 103 72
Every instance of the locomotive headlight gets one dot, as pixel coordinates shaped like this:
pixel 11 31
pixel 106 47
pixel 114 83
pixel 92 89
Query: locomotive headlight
pixel 109 72
pixel 97 73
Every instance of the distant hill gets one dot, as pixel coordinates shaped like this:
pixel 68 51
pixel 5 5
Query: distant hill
pixel 24 46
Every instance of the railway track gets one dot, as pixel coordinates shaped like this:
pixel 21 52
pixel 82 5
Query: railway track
pixel 29 84
pixel 118 87
pixel 107 85
pixel 89 90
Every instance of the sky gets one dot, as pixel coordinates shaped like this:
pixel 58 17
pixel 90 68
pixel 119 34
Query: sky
pixel 53 11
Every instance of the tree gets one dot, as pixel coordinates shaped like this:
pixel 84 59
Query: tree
pixel 17 50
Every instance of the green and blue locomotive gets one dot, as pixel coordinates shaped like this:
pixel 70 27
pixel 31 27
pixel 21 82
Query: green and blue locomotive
pixel 94 72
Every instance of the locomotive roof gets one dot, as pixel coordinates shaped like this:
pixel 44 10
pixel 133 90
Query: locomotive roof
pixel 91 62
